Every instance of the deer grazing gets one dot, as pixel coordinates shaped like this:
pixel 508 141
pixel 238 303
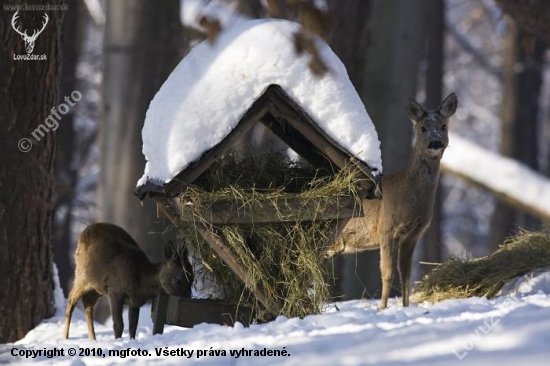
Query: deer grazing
pixel 395 223
pixel 29 40
pixel 109 262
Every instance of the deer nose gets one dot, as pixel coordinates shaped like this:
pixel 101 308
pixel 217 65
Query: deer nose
pixel 436 145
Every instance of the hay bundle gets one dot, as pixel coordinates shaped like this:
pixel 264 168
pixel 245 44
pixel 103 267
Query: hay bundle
pixel 485 276
pixel 285 258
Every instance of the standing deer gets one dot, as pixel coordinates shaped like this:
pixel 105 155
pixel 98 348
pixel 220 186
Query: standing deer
pixel 109 262
pixel 395 223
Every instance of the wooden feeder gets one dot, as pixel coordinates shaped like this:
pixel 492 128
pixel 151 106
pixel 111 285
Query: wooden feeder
pixel 287 120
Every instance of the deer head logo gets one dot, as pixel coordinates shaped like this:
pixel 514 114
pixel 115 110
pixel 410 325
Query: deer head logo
pixel 29 40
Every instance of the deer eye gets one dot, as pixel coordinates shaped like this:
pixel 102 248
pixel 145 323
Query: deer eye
pixel 423 129
pixel 443 127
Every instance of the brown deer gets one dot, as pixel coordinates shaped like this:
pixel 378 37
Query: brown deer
pixel 395 223
pixel 109 262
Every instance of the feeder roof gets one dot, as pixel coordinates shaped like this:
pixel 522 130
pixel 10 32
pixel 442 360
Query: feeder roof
pixel 214 86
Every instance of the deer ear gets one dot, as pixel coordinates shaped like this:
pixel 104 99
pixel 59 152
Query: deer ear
pixel 448 106
pixel 414 110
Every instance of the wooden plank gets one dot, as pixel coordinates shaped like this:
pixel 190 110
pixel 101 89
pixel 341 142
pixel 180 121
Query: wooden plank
pixel 282 210
pixel 187 312
pixel 158 313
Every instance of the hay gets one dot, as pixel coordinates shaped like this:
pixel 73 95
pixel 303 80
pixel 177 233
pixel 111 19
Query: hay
pixel 485 276
pixel 286 259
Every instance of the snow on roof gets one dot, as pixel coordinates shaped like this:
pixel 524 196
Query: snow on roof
pixel 212 87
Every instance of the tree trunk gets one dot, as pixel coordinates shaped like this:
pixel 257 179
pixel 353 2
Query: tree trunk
pixel 434 90
pixel 529 84
pixel 349 42
pixel 349 38
pixel 28 91
pixel 65 169
pixel 394 53
pixel 142 46
pixel 522 77
pixel 547 139
pixel 503 216
pixel 531 15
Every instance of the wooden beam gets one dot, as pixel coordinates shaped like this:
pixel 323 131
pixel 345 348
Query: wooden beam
pixel 187 312
pixel 282 210
pixel 159 313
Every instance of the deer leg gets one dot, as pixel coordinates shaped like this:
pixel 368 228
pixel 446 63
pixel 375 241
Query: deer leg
pixel 75 295
pixel 387 259
pixel 133 317
pixel 116 302
pixel 89 299
pixel 406 251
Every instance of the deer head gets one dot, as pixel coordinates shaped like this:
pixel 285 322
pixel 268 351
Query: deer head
pixel 29 40
pixel 430 127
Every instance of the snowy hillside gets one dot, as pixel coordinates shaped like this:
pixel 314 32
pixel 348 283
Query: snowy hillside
pixel 508 330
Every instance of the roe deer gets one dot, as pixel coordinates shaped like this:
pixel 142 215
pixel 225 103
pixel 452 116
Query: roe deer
pixel 109 262
pixel 395 223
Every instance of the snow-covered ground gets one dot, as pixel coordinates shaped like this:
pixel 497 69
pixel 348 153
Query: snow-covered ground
pixel 505 331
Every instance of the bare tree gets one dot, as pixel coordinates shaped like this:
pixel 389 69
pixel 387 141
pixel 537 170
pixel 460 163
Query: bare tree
pixel 435 33
pixel 522 78
pixel 142 46
pixel 349 38
pixel 532 15
pixel 28 92
pixel 349 41
pixel 65 170
pixel 395 49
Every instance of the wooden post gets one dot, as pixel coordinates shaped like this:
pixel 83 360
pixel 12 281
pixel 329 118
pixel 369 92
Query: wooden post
pixel 159 313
